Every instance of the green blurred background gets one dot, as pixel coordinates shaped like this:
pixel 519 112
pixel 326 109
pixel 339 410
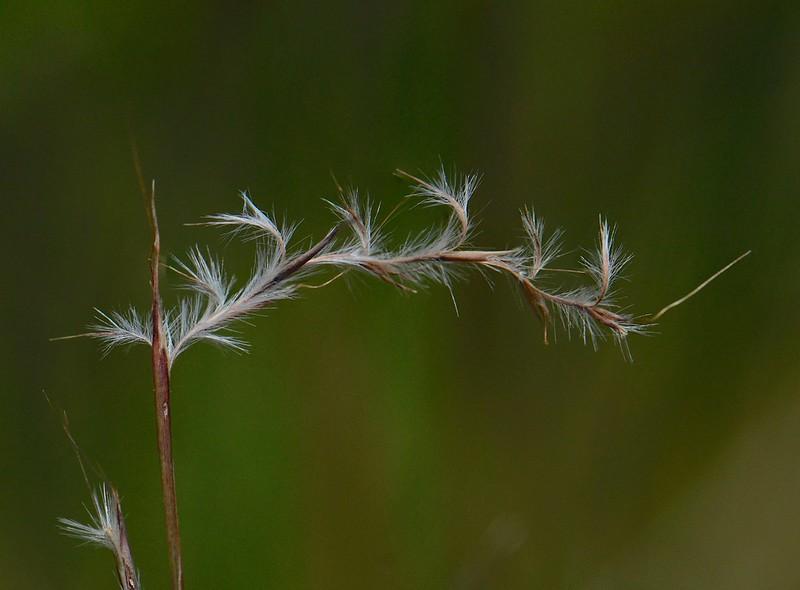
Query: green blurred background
pixel 373 439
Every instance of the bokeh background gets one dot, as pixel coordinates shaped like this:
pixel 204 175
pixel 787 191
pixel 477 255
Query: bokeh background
pixel 373 439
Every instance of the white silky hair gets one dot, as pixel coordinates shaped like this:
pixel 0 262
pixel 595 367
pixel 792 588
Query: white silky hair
pixel 103 529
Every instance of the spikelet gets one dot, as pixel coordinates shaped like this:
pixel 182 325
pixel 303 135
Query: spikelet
pixel 106 528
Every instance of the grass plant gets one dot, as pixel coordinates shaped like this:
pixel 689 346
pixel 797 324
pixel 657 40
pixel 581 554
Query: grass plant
pixel 358 241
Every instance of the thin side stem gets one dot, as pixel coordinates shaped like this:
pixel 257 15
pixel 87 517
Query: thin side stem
pixel 163 411
pixel 699 287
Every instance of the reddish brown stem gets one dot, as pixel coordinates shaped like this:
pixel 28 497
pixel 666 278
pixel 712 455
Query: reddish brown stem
pixel 163 412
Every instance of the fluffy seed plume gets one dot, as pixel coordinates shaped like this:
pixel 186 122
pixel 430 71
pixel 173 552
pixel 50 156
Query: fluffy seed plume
pixel 253 224
pixel 541 249
pixel 121 329
pixel 106 528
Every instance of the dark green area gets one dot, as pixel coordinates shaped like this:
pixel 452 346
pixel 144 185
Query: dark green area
pixel 373 439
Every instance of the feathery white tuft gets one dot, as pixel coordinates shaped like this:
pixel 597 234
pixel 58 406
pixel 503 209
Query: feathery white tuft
pixel 106 528
pixel 205 275
pixel 103 530
pixel 360 218
pixel 207 316
pixel 253 223
pixel 542 250
pixel 456 194
pixel 121 329
pixel 605 265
